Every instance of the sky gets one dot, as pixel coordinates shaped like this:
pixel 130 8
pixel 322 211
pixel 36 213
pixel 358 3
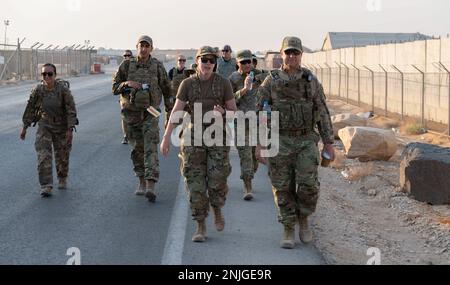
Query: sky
pixel 243 24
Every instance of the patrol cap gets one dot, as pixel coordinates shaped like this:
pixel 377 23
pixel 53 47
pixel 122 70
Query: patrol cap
pixel 146 39
pixel 292 43
pixel 206 50
pixel 244 55
pixel 227 48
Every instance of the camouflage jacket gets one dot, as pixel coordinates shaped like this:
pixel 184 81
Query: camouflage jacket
pixel 54 107
pixel 226 68
pixel 300 101
pixel 158 81
pixel 246 102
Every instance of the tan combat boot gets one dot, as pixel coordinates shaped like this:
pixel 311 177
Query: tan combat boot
pixel 62 185
pixel 219 220
pixel 248 196
pixel 46 191
pixel 140 191
pixel 150 191
pixel 200 233
pixel 305 233
pixel 288 240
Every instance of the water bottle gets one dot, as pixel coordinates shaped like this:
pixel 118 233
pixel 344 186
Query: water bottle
pixel 252 77
pixel 266 112
pixel 266 108
pixel 326 159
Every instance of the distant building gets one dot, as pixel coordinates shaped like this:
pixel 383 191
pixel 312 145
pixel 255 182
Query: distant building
pixel 336 40
pixel 273 60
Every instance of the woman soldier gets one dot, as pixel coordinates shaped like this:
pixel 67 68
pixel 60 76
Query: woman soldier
pixel 52 107
pixel 205 168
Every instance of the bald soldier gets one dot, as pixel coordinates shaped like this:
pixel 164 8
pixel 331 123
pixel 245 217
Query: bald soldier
pixel 304 118
pixel 141 83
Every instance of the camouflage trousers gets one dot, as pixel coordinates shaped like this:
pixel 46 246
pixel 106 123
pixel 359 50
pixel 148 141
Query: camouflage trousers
pixel 124 124
pixel 143 138
pixel 249 163
pixel 49 140
pixel 294 176
pixel 205 170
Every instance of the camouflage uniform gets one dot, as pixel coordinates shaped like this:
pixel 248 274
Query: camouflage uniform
pixel 226 68
pixel 56 113
pixel 205 169
pixel 176 80
pixel 246 103
pixel 300 101
pixel 143 128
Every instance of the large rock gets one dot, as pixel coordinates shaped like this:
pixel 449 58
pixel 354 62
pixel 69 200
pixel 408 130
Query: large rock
pixel 347 120
pixel 425 173
pixel 368 143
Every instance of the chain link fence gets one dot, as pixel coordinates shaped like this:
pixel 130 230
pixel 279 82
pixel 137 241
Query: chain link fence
pixel 419 95
pixel 18 63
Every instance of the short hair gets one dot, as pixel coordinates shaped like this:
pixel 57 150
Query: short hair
pixel 50 65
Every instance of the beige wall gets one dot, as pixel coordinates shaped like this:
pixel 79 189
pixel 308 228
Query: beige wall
pixel 426 55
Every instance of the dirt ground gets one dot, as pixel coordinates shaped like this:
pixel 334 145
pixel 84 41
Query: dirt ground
pixel 361 206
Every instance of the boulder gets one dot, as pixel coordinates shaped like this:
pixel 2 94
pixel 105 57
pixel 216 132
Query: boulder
pixel 425 173
pixel 368 143
pixel 347 120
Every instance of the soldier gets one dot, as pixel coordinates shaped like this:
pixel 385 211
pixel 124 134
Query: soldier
pixel 299 98
pixel 205 168
pixel 141 83
pixel 245 83
pixel 127 55
pixel 177 74
pixel 52 107
pixel 226 65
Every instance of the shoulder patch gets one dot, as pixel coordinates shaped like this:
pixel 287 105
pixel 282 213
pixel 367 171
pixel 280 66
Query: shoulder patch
pixel 275 74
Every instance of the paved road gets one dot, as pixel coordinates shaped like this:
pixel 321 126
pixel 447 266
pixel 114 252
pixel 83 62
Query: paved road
pixel 99 213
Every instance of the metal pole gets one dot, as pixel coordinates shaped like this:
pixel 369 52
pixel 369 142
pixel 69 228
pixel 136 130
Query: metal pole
pixel 422 104
pixel 448 74
pixel 359 84
pixel 373 87
pixel 329 78
pixel 402 78
pixel 19 73
pixel 386 91
pixel 321 73
pixel 340 71
pixel 348 79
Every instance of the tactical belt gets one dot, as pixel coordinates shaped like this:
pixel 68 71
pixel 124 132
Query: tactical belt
pixel 51 119
pixel 295 133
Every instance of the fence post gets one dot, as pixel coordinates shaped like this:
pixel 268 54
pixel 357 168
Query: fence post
pixel 321 73
pixel 448 75
pixel 402 78
pixel 340 75
pixel 359 84
pixel 329 78
pixel 373 87
pixel 348 80
pixel 422 103
pixel 386 91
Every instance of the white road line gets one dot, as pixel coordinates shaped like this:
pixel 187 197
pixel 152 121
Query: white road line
pixel 173 250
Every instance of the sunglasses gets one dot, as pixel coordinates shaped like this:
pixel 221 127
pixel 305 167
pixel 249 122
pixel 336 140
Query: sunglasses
pixel 49 74
pixel 127 55
pixel 245 62
pixel 182 60
pixel 292 51
pixel 210 60
pixel 225 50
